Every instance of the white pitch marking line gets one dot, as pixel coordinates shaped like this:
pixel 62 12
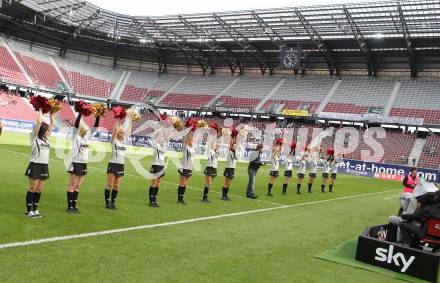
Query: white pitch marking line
pixel 387 198
pixel 165 224
pixel 139 177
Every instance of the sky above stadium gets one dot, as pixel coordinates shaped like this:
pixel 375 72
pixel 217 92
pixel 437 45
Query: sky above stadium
pixel 173 7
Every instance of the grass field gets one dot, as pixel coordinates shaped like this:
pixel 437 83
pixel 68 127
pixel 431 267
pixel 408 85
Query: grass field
pixel 275 245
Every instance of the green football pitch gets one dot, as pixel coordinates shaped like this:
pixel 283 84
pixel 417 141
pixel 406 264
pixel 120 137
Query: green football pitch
pixel 266 240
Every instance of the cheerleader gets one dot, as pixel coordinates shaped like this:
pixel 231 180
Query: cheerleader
pixel 78 165
pixel 288 165
pixel 314 157
pixel 38 169
pixel 186 167
pixel 275 166
pixel 302 169
pixel 115 168
pixel 210 170
pixel 229 172
pixel 157 169
pixel 334 171
pixel 326 168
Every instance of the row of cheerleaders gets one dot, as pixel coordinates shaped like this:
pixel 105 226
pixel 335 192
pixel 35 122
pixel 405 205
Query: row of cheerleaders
pixel 38 170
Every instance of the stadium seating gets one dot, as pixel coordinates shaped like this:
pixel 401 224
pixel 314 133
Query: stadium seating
pixel 139 85
pixel 355 95
pixel 9 70
pixel 196 91
pixel 247 92
pixel 66 113
pixel 301 92
pixel 89 79
pixel 14 107
pixel 42 73
pixel 418 98
pixel 430 157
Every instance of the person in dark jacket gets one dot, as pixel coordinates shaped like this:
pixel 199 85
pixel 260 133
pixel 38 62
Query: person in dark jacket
pixel 253 167
pixel 413 226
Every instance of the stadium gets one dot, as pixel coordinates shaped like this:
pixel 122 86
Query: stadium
pixel 302 144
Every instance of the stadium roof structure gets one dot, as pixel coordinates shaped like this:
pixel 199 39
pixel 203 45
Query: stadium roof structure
pixel 369 36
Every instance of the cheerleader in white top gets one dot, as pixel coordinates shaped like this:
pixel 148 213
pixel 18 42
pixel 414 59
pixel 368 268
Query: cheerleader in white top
pixel 328 159
pixel 229 172
pixel 185 170
pixel 211 168
pixel 115 168
pixel 157 168
pixel 314 157
pixel 337 159
pixel 304 157
pixel 275 165
pixel 288 165
pixel 78 165
pixel 38 169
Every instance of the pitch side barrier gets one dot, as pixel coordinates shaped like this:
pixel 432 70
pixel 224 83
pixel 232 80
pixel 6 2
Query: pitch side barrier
pixel 384 171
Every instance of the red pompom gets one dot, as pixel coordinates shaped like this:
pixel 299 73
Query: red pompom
pixel 234 132
pixel 119 112
pixel 330 151
pixel 163 117
pixel 191 123
pixel 279 141
pixel 83 108
pixel 40 102
pixel 214 126
pixel 293 145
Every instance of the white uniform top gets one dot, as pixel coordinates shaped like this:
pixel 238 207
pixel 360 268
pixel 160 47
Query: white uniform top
pixel 159 154
pixel 288 165
pixel 302 162
pixel 213 158
pixel 313 159
pixel 275 163
pixel 334 165
pixel 80 149
pixel 40 149
pixel 118 152
pixel 188 154
pixel 326 165
pixel 231 160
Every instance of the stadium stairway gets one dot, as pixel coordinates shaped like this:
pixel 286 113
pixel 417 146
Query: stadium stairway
pixel 391 100
pixel 269 95
pixel 14 57
pixel 223 92
pixel 416 151
pixel 170 90
pixel 120 86
pixel 329 96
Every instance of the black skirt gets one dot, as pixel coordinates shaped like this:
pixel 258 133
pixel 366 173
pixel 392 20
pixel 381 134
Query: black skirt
pixel 210 171
pixel 37 171
pixel 229 173
pixel 185 173
pixel 324 175
pixel 288 173
pixel 274 173
pixel 333 175
pixel 116 169
pixel 300 175
pixel 158 171
pixel 312 175
pixel 78 169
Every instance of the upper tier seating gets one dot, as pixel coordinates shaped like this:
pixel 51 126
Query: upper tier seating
pixel 356 95
pixel 89 79
pixel 248 92
pixel 418 98
pixel 196 91
pixel 9 70
pixel 139 86
pixel 301 92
